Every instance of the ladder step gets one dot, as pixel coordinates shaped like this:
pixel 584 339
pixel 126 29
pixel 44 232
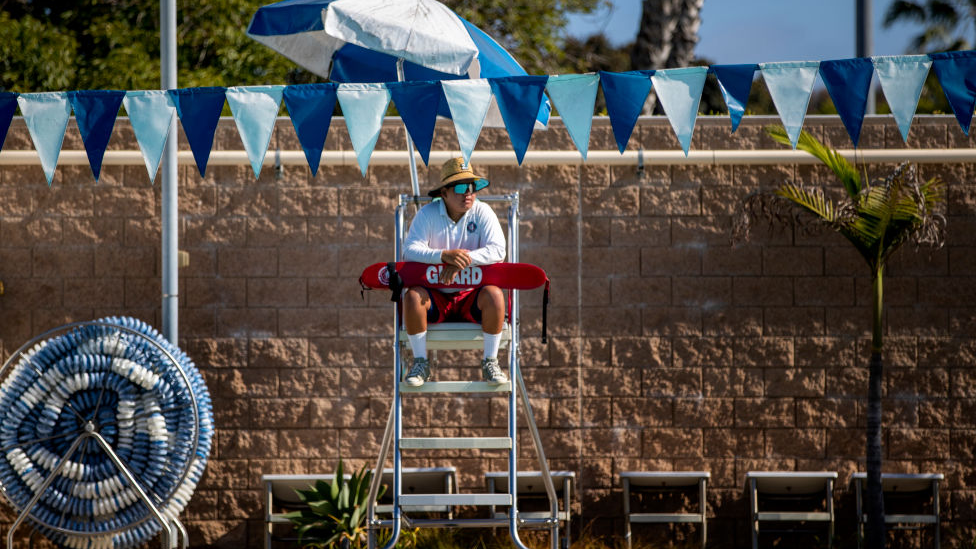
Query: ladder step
pixel 443 443
pixel 457 387
pixel 454 499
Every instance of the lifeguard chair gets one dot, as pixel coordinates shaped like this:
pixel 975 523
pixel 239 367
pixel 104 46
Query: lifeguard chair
pixel 460 335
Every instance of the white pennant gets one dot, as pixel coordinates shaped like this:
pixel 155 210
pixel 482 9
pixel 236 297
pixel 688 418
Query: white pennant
pixel 790 84
pixel 150 112
pixel 255 109
pixel 46 115
pixel 679 91
pixel 469 101
pixel 573 96
pixel 902 78
pixel 363 106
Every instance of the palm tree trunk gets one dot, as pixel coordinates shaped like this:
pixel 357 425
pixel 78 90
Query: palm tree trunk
pixel 655 39
pixel 875 500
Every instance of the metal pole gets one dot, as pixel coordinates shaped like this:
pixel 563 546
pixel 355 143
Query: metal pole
pixel 864 43
pixel 169 202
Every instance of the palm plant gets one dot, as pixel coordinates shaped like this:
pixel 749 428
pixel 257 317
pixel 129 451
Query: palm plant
pixel 335 511
pixel 876 219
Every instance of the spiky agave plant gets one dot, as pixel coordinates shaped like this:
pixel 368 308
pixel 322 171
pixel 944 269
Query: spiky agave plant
pixel 876 219
pixel 335 511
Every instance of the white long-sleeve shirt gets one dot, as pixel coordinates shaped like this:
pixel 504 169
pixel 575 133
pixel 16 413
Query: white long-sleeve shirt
pixel 432 231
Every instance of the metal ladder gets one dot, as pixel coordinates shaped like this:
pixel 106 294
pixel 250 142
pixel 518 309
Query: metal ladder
pixel 515 389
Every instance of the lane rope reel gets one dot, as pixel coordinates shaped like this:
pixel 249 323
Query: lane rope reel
pixel 72 397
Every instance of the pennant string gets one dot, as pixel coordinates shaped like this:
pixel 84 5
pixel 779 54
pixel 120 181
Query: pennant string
pixel 519 103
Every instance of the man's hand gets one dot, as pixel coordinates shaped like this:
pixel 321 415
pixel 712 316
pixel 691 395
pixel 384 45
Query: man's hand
pixel 456 258
pixel 449 273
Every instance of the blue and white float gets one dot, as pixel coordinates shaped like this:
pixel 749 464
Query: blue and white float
pixel 105 429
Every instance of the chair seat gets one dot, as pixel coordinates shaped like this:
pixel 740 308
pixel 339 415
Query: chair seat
pixel 459 335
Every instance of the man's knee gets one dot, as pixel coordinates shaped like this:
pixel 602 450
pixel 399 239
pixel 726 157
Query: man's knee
pixel 491 297
pixel 416 298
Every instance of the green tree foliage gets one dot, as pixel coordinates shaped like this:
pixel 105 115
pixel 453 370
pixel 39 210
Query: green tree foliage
pixel 92 44
pixel 945 23
pixel 34 55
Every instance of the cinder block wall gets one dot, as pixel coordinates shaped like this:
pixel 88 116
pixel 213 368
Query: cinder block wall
pixel 669 348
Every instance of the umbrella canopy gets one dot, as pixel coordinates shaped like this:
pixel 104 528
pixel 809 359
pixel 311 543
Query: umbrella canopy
pixel 361 40
pixel 335 38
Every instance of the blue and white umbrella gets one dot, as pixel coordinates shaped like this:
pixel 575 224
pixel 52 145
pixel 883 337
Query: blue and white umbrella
pixel 361 41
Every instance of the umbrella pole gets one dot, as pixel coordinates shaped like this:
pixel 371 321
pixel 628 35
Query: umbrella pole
pixel 413 161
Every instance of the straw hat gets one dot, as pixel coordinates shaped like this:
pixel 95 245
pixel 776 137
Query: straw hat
pixel 454 171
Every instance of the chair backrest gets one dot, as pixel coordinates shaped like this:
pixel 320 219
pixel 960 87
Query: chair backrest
pixel 283 487
pixel 528 482
pixel 791 482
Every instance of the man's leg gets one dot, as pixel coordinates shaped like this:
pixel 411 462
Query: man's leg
pixel 416 302
pixel 491 302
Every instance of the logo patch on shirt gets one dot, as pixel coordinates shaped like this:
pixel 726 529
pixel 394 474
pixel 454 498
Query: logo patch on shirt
pixel 472 226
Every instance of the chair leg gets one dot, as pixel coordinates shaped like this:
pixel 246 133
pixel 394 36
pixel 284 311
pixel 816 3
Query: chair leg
pixel 754 512
pixel 626 483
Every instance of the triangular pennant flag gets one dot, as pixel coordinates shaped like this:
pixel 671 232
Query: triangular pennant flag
pixel 679 91
pixel 956 71
pixel 849 84
pixel 46 115
pixel 519 99
pixel 95 112
pixel 363 106
pixel 417 103
pixel 469 101
pixel 790 84
pixel 199 111
pixel 151 113
pixel 625 93
pixel 902 78
pixel 8 106
pixel 573 96
pixel 255 109
pixel 311 107
pixel 735 81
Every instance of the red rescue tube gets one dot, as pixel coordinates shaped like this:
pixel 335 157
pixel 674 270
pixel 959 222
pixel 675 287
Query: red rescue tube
pixel 510 276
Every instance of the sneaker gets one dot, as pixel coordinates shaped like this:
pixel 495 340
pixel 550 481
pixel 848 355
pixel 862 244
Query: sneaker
pixel 492 372
pixel 419 373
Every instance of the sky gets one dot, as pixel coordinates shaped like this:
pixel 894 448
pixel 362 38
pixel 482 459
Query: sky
pixel 756 31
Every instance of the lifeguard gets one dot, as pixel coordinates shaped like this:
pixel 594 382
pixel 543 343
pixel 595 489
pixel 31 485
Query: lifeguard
pixel 462 233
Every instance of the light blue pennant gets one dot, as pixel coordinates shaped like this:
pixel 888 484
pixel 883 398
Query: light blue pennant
pixel 849 83
pixel 255 109
pixel 468 101
pixel 679 91
pixel 625 93
pixel 956 71
pixel 95 112
pixel 574 96
pixel 519 99
pixel 363 106
pixel 199 111
pixel 417 103
pixel 902 78
pixel 790 84
pixel 311 107
pixel 150 112
pixel 735 81
pixel 46 115
pixel 8 106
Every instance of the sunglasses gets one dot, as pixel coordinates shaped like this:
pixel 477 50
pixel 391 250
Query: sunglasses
pixel 469 186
